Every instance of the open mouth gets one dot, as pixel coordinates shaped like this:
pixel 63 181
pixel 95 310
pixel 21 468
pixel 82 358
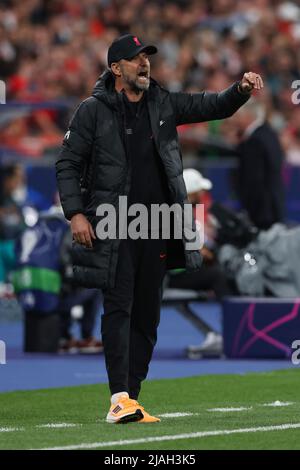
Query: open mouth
pixel 143 74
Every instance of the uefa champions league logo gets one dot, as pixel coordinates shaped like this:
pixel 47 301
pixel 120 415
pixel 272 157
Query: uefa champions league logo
pixel 2 92
pixel 2 353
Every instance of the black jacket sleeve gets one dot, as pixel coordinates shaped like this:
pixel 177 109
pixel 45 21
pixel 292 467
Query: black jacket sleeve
pixel 74 154
pixel 207 106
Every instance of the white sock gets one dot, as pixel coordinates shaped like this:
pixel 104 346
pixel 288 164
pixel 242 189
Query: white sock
pixel 116 396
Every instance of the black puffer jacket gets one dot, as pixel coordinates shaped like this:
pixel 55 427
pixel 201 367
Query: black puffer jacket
pixel 93 155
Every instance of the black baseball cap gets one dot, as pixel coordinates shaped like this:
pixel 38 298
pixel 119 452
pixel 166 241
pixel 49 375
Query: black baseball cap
pixel 127 47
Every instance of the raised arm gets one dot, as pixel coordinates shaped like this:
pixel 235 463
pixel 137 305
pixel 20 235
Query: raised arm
pixel 207 106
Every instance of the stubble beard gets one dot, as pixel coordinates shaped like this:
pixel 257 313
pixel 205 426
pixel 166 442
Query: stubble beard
pixel 135 85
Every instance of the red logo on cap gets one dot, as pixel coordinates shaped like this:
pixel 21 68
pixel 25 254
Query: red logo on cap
pixel 137 41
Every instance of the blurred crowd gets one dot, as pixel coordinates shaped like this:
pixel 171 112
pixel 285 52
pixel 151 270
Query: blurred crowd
pixel 51 50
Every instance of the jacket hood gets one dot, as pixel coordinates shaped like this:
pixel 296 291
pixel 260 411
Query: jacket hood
pixel 104 89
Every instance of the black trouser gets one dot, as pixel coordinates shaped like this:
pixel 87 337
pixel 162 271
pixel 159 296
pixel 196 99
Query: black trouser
pixel 207 277
pixel 132 313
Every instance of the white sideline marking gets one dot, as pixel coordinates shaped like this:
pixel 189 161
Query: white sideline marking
pixel 174 437
pixel 11 429
pixel 225 410
pixel 279 403
pixel 57 425
pixel 176 415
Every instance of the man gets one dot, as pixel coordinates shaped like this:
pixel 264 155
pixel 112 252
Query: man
pixel 260 178
pixel 210 276
pixel 44 285
pixel 11 217
pixel 127 129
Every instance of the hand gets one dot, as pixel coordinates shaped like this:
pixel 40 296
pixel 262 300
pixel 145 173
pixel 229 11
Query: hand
pixel 82 230
pixel 251 81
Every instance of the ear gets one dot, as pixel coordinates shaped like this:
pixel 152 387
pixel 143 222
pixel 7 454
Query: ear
pixel 115 68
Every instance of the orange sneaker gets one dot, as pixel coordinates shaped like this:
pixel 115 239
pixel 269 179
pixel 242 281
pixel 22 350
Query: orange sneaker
pixel 146 417
pixel 124 411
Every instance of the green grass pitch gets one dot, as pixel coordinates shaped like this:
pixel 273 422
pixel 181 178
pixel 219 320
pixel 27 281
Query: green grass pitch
pixel 23 415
